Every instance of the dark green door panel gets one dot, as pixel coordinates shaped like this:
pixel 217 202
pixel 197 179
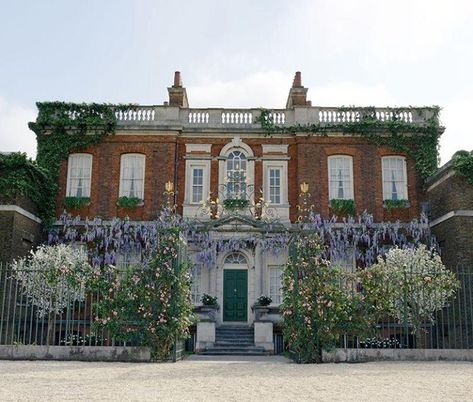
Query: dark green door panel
pixel 235 294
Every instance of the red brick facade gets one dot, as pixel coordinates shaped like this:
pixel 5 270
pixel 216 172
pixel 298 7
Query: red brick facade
pixel 165 160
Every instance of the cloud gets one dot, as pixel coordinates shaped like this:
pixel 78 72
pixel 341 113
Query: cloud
pixel 376 32
pixel 350 93
pixel 270 89
pixel 266 89
pixel 14 132
pixel 456 117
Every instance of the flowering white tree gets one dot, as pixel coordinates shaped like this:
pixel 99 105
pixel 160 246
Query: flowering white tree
pixel 52 277
pixel 419 284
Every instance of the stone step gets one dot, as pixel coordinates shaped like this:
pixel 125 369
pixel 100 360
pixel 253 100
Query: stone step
pixel 231 353
pixel 234 333
pixel 236 347
pixel 242 343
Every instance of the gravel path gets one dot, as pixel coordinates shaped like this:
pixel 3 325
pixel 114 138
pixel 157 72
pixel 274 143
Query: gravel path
pixel 239 379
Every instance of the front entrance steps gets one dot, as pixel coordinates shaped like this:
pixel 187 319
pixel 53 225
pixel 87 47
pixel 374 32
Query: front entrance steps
pixel 234 341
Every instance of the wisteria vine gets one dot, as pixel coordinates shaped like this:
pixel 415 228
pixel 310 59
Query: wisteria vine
pixel 361 237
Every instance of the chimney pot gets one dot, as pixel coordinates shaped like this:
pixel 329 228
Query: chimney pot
pixel 297 80
pixel 177 79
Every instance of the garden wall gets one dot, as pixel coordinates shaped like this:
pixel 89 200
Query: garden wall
pixel 368 355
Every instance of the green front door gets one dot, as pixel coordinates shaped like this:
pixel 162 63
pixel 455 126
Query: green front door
pixel 235 294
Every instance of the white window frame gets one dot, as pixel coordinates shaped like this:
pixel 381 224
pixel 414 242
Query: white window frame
pixel 277 188
pixel 194 185
pixel 280 293
pixel 190 166
pixel 89 157
pixel 282 167
pixel 236 145
pixel 122 167
pixel 332 196
pixel 384 179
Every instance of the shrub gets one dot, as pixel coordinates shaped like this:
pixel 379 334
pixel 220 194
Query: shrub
pixel 263 300
pixel 208 300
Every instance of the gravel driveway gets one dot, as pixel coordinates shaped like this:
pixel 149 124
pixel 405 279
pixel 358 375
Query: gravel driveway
pixel 238 379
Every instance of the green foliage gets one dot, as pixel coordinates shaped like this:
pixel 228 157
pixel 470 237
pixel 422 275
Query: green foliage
pixel 129 202
pixel 263 300
pixel 319 302
pixel 343 207
pixel 323 302
pixel 463 164
pixel 208 300
pixel 151 304
pixel 20 176
pixel 76 202
pixel 420 142
pixel 390 204
pixel 62 128
pixel 235 203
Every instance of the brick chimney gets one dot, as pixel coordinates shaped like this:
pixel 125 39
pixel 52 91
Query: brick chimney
pixel 297 94
pixel 177 93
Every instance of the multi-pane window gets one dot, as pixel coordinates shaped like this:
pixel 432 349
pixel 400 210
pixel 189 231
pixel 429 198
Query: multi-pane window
pixel 236 175
pixel 235 258
pixel 275 185
pixel 78 175
pixel 394 178
pixel 195 287
pixel 275 285
pixel 197 184
pixel 340 177
pixel 132 175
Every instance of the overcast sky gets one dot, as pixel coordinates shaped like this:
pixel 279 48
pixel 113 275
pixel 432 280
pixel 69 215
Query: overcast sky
pixel 237 54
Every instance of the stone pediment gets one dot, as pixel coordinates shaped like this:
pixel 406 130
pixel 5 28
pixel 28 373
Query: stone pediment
pixel 243 223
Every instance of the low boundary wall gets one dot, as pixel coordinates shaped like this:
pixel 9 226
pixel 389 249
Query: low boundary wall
pixel 80 353
pixel 368 355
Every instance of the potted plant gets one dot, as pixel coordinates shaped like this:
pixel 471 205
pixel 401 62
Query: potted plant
pixel 261 306
pixel 209 307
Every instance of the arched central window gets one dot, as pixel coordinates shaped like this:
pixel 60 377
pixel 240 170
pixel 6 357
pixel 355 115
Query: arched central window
pixel 236 258
pixel 236 177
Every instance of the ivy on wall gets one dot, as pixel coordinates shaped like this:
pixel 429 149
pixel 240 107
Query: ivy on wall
pixel 62 128
pixel 20 176
pixel 463 164
pixel 395 134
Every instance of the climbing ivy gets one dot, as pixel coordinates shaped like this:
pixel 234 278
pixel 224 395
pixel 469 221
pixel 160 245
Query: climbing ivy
pixel 395 134
pixel 20 176
pixel 463 164
pixel 62 128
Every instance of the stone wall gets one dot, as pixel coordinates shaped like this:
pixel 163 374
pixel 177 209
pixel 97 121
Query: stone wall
pixel 20 229
pixel 451 199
